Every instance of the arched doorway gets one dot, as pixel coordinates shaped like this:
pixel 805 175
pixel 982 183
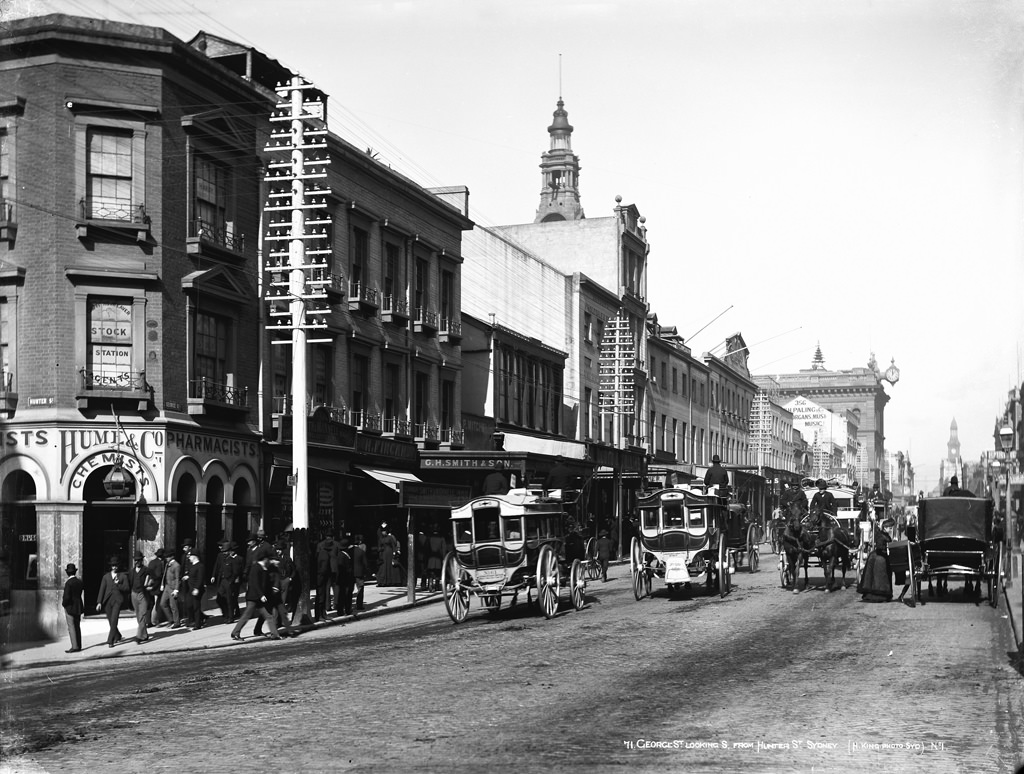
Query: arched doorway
pixel 214 519
pixel 186 497
pixel 108 530
pixel 18 537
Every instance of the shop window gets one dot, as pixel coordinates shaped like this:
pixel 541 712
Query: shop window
pixel 109 353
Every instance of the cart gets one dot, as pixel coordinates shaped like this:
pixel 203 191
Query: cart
pixel 684 532
pixel 507 545
pixel 956 541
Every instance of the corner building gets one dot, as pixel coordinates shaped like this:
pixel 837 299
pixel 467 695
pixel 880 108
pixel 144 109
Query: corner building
pixel 128 298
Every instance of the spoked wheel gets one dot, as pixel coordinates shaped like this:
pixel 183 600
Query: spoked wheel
pixel 456 598
pixel 753 540
pixel 547 581
pixel 577 584
pixel 753 560
pixel 724 579
pixel 593 568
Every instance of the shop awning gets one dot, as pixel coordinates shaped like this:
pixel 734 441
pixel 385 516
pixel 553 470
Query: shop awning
pixel 388 477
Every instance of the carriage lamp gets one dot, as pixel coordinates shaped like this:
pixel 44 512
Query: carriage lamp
pixel 1006 437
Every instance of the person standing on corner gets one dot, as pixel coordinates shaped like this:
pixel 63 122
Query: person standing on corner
pixel 113 589
pixel 196 587
pixel 360 568
pixel 604 553
pixel 73 607
pixel 140 585
pixel 156 568
pixel 169 592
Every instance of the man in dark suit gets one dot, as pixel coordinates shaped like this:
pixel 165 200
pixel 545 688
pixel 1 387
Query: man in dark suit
pixel 346 579
pixel 360 568
pixel 141 586
pixel 156 568
pixel 73 606
pixel 113 590
pixel 220 579
pixel 196 587
pixel 257 595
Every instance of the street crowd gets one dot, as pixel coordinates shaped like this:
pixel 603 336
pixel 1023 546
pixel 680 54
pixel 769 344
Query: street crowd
pixel 168 589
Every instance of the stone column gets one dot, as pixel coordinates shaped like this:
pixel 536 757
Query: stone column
pixel 59 532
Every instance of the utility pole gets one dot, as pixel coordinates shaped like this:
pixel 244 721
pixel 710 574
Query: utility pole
pixel 299 274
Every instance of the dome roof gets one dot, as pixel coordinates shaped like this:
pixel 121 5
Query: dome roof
pixel 561 122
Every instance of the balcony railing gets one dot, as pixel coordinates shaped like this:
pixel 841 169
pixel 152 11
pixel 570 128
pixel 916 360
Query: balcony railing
pixel 397 426
pixel 365 420
pixel 126 381
pixel 109 208
pixel 394 309
pixel 221 235
pixel 207 390
pixel 453 436
pixel 426 321
pixel 451 329
pixel 426 431
pixel 361 298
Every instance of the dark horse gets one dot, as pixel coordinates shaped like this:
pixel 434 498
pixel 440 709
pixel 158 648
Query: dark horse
pixel 833 548
pixel 798 543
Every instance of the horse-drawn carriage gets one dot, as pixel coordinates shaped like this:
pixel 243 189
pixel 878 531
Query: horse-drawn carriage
pixel 509 544
pixel 684 532
pixel 956 540
pixel 824 537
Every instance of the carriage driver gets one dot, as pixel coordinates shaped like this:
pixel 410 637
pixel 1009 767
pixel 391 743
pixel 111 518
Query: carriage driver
pixel 823 501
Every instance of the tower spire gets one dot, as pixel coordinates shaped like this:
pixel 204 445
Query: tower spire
pixel 560 169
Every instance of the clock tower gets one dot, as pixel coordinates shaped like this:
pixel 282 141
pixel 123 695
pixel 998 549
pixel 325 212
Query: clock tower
pixel 953 444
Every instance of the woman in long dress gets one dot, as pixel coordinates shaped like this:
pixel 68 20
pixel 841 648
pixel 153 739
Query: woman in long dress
pixel 876 581
pixel 389 573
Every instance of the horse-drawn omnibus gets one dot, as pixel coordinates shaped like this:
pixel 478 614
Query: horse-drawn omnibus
pixel 684 532
pixel 505 545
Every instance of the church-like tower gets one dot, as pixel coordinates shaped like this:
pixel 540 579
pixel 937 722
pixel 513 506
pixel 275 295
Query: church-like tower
pixel 953 444
pixel 560 174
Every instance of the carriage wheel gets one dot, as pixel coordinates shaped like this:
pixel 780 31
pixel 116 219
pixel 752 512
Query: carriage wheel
pixel 547 581
pixel 577 584
pixel 723 567
pixel 754 560
pixel 637 571
pixel 753 540
pixel 456 598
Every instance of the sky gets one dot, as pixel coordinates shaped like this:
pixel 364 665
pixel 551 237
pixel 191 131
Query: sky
pixel 846 173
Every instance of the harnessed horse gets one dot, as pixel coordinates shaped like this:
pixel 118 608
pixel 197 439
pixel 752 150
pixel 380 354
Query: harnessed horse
pixel 832 547
pixel 797 544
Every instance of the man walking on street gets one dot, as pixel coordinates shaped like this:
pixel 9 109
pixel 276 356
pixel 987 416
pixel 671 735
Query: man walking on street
pixel 256 596
pixel 326 575
pixel 360 569
pixel 73 607
pixel 113 590
pixel 196 587
pixel 140 585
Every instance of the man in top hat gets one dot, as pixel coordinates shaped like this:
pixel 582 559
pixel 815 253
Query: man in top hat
pixel 156 568
pixel 113 591
pixel 196 586
pixel 184 592
pixel 716 475
pixel 604 553
pixel 220 579
pixel 823 502
pixel 73 606
pixel 141 586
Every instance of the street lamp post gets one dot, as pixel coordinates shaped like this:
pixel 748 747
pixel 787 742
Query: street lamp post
pixel 1006 442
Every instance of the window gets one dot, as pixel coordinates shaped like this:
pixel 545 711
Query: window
pixel 588 327
pixel 675 380
pixel 5 173
pixel 664 374
pixel 360 255
pixel 7 345
pixel 675 437
pixel 588 398
pixel 392 286
pixel 447 297
pixel 211 348
pixel 421 398
pixel 210 205
pixel 600 331
pixel 422 284
pixel 682 446
pixel 109 353
pixel 108 193
pixel 447 403
pixel 392 390
pixel 321 392
pixel 359 377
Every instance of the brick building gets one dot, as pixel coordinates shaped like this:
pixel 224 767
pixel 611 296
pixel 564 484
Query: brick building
pixel 128 294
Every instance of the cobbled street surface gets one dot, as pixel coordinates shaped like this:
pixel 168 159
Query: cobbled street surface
pixel 762 681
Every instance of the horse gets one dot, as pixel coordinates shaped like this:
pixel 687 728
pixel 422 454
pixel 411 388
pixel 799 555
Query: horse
pixel 833 547
pixel 797 543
